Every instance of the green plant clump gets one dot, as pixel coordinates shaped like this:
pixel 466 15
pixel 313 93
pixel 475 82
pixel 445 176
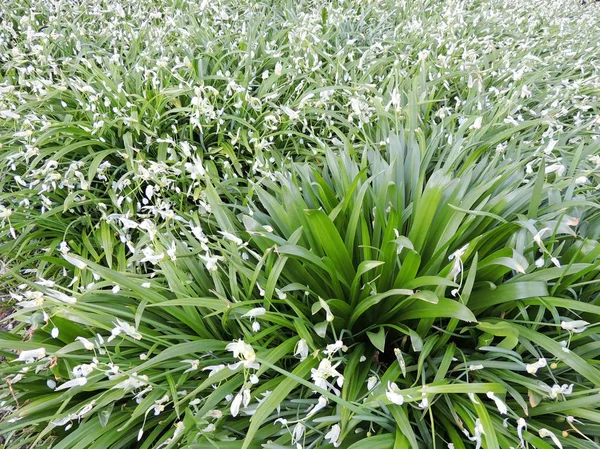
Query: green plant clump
pixel 289 224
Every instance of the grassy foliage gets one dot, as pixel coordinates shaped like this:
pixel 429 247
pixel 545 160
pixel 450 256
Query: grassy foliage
pixel 277 224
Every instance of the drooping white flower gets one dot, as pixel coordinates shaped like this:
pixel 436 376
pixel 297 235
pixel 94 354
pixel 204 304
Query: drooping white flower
pixel 478 433
pixel 545 433
pixel 78 382
pixel 328 315
pixel 253 313
pixel 193 365
pixel 477 123
pixel 210 262
pixel 323 372
pixel 244 352
pixel 31 355
pixel 235 405
pixel 333 435
pixel 126 328
pixel 499 404
pixel 151 256
pixel 86 343
pixel 533 368
pixel 54 332
pixel 229 236
pixel 278 68
pixel 537 238
pixel 372 382
pixel 83 370
pixel 132 382
pixel 301 349
pixel 564 389
pixel 75 262
pixel 393 394
pixel 179 428
pixel 320 405
pixel 457 267
pixel 335 347
pixel 213 369
pixel 575 326
pixel 558 168
pixel 298 432
pixel 521 425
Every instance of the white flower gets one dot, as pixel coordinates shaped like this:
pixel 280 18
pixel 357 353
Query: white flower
pixel 196 169
pixel 86 343
pixel 556 389
pixel 532 368
pixel 581 180
pixel 457 267
pixel 281 421
pixel 213 369
pixel 253 313
pixel 333 435
pixel 335 347
pixel 499 404
pixel 521 425
pixel 328 315
pixel 326 370
pixel 210 262
pixel 179 428
pixel 298 432
pixel 151 256
pixel 235 405
pixel 576 326
pixel 393 394
pixel 372 382
pixel 321 404
pixel 193 365
pixel 301 349
pixel 551 144
pixel 558 168
pixel 538 237
pixel 477 123
pixel 128 329
pixel 244 352
pixel 544 433
pixel 78 382
pixel 54 332
pixel 478 433
pixel 132 382
pixel 229 236
pixel 83 370
pixel 75 262
pixel 278 68
pixel 31 355
pixel 475 367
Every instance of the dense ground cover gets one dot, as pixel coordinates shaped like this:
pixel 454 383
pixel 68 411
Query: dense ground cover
pixel 281 224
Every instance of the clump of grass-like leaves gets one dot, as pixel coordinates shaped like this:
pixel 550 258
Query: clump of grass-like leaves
pixel 343 304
